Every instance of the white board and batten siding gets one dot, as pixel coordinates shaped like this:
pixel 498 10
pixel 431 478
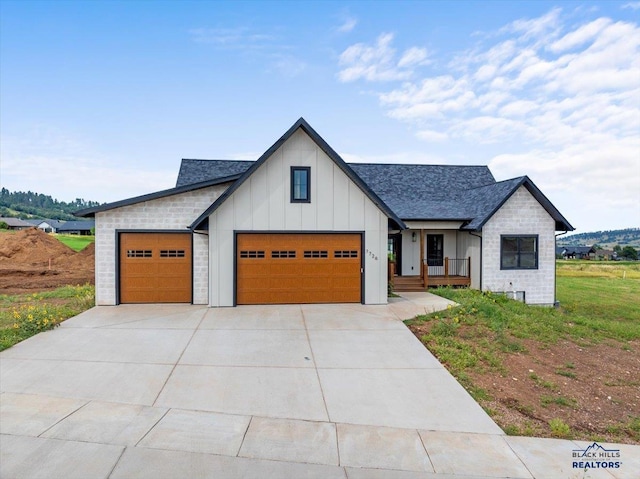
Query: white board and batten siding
pixel 262 203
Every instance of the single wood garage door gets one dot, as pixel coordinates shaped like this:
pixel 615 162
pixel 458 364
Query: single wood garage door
pixel 298 268
pixel 155 268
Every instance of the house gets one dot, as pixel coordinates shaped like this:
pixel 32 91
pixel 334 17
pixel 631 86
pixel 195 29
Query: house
pixel 299 225
pixel 63 227
pixel 75 227
pixel 606 255
pixel 15 223
pixel 46 225
pixel 579 252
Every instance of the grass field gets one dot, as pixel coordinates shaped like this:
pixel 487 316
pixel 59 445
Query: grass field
pixel 22 316
pixel 75 242
pixel 599 306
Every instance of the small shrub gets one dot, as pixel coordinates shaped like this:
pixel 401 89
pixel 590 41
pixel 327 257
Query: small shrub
pixel 33 319
pixel 444 327
pixel 567 374
pixel 559 400
pixel 511 430
pixel 559 428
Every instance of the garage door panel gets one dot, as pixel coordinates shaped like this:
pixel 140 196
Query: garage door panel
pixel 155 268
pixel 298 268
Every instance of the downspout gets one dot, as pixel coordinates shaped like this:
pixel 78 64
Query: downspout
pixel 556 303
pixel 479 236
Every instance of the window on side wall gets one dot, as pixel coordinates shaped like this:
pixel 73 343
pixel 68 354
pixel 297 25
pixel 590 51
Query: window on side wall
pixel 519 252
pixel 300 184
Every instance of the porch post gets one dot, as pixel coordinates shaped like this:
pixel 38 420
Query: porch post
pixel 446 266
pixel 422 254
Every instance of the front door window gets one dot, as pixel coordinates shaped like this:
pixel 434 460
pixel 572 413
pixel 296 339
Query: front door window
pixel 435 250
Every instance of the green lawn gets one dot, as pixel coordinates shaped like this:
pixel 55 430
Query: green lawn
pixel 75 242
pixel 23 315
pixel 598 303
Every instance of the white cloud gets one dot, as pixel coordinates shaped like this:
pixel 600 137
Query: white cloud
pixel 432 136
pixel 631 5
pixel 558 101
pixel 65 168
pixel 238 37
pixel 288 66
pixel 414 56
pixel 347 25
pixel 378 62
pixel 580 36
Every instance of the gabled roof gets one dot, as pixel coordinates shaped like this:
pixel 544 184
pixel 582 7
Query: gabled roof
pixel 76 226
pixel 573 250
pixel 487 200
pixel 324 146
pixel 195 171
pixel 88 212
pixel 15 222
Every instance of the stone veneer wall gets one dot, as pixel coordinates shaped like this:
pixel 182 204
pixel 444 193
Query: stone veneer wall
pixel 175 212
pixel 521 214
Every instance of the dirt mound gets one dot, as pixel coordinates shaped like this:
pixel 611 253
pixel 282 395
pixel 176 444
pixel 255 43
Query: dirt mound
pixel 31 260
pixel 32 246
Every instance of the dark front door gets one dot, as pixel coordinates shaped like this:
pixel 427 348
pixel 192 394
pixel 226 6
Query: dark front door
pixel 395 248
pixel 435 250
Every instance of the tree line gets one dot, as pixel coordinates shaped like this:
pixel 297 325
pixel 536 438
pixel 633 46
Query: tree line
pixel 21 204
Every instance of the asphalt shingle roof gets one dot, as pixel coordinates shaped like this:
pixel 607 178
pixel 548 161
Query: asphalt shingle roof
pixel 412 192
pixel 195 171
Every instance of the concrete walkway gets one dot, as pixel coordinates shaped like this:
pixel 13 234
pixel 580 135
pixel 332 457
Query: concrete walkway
pixel 312 391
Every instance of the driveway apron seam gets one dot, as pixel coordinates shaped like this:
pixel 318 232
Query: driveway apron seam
pixel 522 461
pixel 152 427
pixel 424 446
pixel 116 463
pixel 244 436
pixel 179 358
pixel 315 365
pixel 62 419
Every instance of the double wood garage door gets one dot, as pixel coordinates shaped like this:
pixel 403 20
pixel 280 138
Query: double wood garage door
pixel 270 268
pixel 155 268
pixel 298 268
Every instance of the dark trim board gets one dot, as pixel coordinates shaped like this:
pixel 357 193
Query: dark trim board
pixel 281 232
pixel 148 231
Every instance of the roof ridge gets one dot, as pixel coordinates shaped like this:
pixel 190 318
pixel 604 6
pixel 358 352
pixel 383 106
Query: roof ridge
pixel 519 178
pixel 417 164
pixel 216 159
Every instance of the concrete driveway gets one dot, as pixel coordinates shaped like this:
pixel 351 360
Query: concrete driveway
pixel 314 391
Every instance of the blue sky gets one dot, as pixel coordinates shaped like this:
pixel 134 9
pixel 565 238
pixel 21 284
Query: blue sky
pixel 101 99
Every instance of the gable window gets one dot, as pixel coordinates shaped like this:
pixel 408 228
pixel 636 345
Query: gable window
pixel 300 184
pixel 519 252
pixel 435 250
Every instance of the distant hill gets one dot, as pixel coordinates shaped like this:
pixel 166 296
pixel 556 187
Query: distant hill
pixel 27 205
pixel 606 239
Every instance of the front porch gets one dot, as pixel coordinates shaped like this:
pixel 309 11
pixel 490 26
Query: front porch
pixel 422 257
pixel 453 272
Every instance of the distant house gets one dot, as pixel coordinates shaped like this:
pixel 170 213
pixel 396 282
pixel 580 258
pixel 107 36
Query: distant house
pixel 75 227
pixel 579 252
pixel 16 223
pixel 46 225
pixel 606 254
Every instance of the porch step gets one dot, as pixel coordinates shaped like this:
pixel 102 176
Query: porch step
pixel 408 283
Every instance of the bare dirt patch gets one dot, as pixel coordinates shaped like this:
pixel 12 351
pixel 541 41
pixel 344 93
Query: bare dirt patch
pixel 594 389
pixel 31 260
